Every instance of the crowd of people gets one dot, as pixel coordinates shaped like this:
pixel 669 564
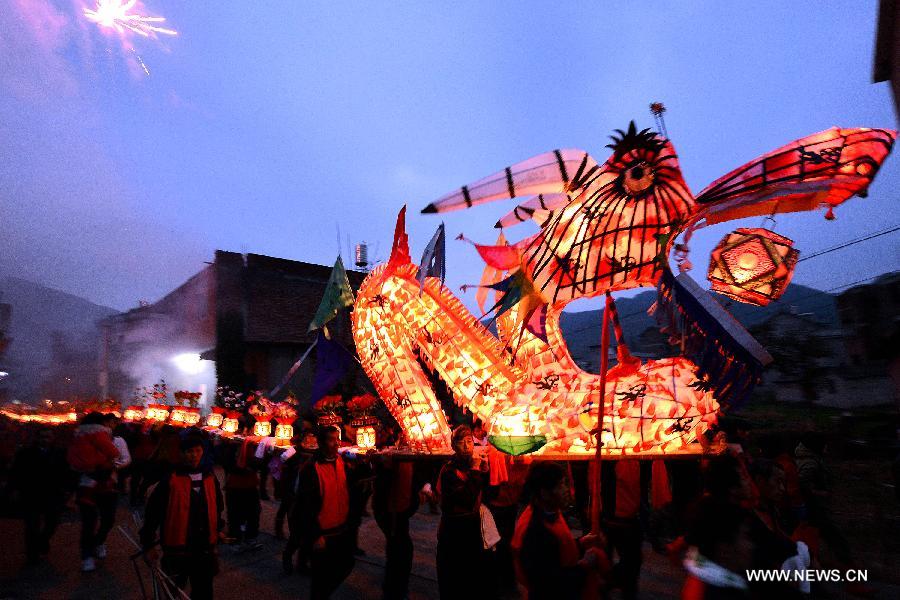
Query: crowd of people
pixel 506 526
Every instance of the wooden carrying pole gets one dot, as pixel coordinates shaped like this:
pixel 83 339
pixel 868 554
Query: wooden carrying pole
pixel 595 466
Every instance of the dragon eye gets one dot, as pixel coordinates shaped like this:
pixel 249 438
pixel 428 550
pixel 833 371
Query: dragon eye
pixel 637 178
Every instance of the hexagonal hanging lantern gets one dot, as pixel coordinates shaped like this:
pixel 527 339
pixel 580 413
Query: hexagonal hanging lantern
pixel 753 266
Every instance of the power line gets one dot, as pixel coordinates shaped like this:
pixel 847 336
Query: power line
pixel 850 243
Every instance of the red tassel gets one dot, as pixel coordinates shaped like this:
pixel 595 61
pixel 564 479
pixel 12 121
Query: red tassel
pixel 829 216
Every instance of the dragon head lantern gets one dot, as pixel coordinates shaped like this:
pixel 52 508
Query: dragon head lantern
pixel 604 227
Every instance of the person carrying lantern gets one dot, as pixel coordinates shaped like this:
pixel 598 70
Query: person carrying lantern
pixel 326 492
pixel 397 489
pixel 462 556
pixel 186 508
pixel 92 454
pixel 550 562
pixel 629 490
pixel 242 493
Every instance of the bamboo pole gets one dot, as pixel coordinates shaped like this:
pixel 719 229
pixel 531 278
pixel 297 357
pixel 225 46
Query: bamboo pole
pixel 595 466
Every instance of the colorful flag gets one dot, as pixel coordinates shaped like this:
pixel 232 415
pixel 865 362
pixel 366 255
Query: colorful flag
pixel 338 295
pixel 332 361
pixel 434 259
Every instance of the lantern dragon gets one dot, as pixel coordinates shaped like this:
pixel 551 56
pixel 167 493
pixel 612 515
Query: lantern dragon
pixel 603 228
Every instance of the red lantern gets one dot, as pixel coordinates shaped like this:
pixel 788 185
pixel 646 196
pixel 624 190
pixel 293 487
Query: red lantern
pixel 263 428
pixel 752 266
pixel 215 418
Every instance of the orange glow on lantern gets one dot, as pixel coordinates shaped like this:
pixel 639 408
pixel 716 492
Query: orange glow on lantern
pixel 214 419
pixel 157 412
pixel 753 266
pixel 365 437
pixel 540 402
pixel 262 428
pixel 177 417
pixel 191 416
pixel 229 425
pixel 133 413
pixel 284 431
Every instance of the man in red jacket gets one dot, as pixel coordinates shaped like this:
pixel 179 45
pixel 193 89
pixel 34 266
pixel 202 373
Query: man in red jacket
pixel 91 454
pixel 186 508
pixel 323 512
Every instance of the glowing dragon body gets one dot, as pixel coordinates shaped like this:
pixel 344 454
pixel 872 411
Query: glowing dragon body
pixel 603 228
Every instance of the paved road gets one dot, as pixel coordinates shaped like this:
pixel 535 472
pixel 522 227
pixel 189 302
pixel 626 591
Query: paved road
pixel 256 575
pixel 244 575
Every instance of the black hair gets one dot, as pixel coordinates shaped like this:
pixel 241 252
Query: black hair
pixel 325 430
pixel 92 418
pixel 191 441
pixel 460 432
pixel 543 475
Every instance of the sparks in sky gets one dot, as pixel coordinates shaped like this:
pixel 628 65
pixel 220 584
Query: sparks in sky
pixel 118 15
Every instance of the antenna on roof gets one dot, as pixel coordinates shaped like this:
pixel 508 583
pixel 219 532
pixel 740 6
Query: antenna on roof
pixel 337 228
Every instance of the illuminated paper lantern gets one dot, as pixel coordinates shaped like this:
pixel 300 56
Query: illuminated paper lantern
pixel 157 412
pixel 753 266
pixel 604 227
pixel 285 414
pixel 177 416
pixel 262 428
pixel 365 431
pixel 230 423
pixel 133 413
pixel 191 416
pixel 284 431
pixel 215 418
pixel 365 437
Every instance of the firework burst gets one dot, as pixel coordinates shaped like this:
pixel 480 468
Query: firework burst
pixel 121 16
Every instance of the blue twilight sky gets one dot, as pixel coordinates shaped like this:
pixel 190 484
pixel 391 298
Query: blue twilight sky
pixel 265 125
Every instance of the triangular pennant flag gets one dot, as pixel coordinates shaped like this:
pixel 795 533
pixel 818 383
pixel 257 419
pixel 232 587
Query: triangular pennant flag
pixel 505 258
pixel 332 361
pixel 537 322
pixel 434 259
pixel 337 296
pixel 511 288
pixel 489 277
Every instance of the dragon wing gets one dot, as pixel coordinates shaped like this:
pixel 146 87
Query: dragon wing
pixel 825 168
pixel 553 172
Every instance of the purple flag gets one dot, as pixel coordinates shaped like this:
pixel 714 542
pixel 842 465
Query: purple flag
pixel 332 361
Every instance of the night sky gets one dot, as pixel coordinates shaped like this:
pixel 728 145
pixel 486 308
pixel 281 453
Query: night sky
pixel 265 126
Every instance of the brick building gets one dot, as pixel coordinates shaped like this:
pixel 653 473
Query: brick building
pixel 242 321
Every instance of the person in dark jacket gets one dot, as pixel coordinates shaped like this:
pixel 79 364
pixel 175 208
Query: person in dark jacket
pixel 323 515
pixel 290 473
pixel 625 491
pixel 395 500
pixel 39 476
pixel 242 493
pixel 550 562
pixel 461 557
pixel 186 508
